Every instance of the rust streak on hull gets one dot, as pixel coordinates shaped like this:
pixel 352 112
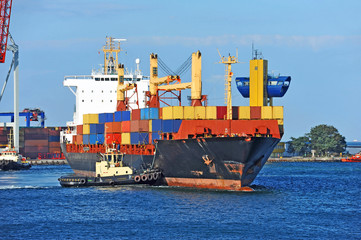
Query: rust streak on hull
pixel 222 184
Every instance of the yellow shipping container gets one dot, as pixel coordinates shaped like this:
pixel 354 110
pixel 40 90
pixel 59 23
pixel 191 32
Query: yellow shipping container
pixel 178 112
pixel 86 128
pixel 244 113
pixel 125 138
pixel 280 122
pixel 167 113
pixel 266 112
pixel 90 118
pixel 211 112
pixel 278 112
pixel 200 112
pixel 188 112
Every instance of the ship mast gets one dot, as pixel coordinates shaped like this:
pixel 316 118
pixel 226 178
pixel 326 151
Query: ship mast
pixel 228 61
pixel 111 49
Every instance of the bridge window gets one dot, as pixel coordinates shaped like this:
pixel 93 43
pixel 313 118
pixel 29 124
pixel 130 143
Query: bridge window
pixel 102 79
pixel 97 79
pixel 106 79
pixel 272 83
pixel 280 83
pixel 114 79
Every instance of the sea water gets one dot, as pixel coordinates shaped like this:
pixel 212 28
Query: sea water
pixel 290 201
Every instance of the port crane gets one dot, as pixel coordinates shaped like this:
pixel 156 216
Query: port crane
pixel 5 12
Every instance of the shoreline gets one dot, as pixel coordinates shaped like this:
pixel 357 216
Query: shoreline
pixel 300 159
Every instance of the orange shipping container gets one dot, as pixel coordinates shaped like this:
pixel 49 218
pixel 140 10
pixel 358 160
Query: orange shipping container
pixel 139 126
pixel 57 144
pixel 113 138
pixel 79 139
pixel 256 112
pixel 125 126
pixel 79 129
pixel 112 127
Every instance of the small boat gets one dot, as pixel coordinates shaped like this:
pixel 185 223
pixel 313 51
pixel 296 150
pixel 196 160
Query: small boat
pixel 354 158
pixel 12 160
pixel 111 170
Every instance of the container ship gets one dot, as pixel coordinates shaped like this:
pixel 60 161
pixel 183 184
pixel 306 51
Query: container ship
pixel 215 147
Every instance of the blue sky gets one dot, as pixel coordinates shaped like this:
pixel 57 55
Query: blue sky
pixel 317 43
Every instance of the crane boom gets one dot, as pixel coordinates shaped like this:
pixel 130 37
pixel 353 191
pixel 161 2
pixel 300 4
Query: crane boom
pixel 5 11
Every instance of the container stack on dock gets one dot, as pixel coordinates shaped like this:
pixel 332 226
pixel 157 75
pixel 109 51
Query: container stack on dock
pixel 34 142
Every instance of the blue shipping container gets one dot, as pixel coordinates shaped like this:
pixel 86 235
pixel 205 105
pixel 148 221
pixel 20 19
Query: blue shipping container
pixel 54 138
pixel 125 115
pixel 102 117
pixel 86 139
pixel 156 136
pixel 157 125
pixel 100 138
pixel 93 128
pixel 176 125
pixel 100 128
pixel 134 138
pixel 144 138
pixel 153 113
pixel 167 126
pixel 92 139
pixel 109 117
pixel 144 113
pixel 118 116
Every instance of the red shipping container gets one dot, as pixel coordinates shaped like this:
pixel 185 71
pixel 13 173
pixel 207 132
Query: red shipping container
pixel 113 138
pixel 74 139
pixel 256 112
pixel 34 143
pixel 54 150
pixel 57 144
pixel 221 112
pixel 136 114
pixel 139 126
pixel 55 132
pixel 79 129
pixel 134 126
pixel 38 149
pixel 125 126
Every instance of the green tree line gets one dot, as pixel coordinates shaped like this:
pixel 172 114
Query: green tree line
pixel 324 139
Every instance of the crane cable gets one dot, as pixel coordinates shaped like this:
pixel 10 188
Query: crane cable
pixel 180 71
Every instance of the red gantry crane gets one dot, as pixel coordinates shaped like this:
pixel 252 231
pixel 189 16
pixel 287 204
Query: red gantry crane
pixel 5 11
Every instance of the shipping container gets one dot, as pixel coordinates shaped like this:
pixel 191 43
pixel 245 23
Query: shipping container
pixel 109 117
pixel 125 127
pixel 153 113
pixel 38 149
pixel 79 139
pixel 102 117
pixel 277 112
pixel 55 150
pixel 57 144
pixel 111 138
pixel 167 126
pixel 86 138
pixel 79 129
pixel 36 137
pixel 93 139
pixel 235 113
pixel 139 138
pixel 125 138
pixel 200 112
pixel 255 113
pixel 244 112
pixel 126 115
pixel 167 113
pixel 100 138
pixel 93 128
pixel 118 116
pixel 156 125
pixel 266 112
pixel 144 113
pixel 86 129
pixel 221 112
pixel 211 112
pixel 54 138
pixel 178 112
pixel 90 118
pixel 139 126
pixel 188 112
pixel 99 128
pixel 35 130
pixel 34 143
pixel 136 114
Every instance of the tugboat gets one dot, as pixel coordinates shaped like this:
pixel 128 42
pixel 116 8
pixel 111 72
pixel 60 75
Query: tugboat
pixel 354 158
pixel 11 160
pixel 111 170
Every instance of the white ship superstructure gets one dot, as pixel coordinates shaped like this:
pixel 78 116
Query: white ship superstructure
pixel 97 93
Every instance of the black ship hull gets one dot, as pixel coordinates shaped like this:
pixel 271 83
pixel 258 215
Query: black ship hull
pixel 230 163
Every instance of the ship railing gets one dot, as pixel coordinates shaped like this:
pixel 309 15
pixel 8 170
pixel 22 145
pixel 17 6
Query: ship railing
pixel 87 77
